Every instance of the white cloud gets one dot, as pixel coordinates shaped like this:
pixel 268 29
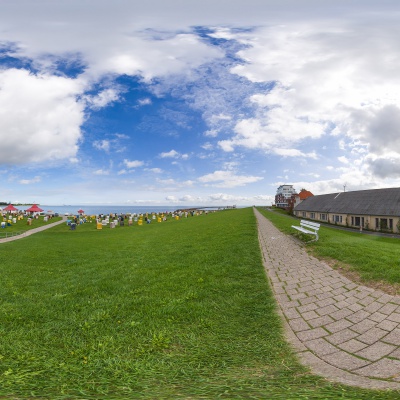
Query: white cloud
pixel 228 179
pixel 144 102
pixel 343 160
pixel 101 172
pixel 174 154
pixel 294 153
pixel 36 179
pixel 103 98
pixel 102 145
pixel 133 164
pixel 327 76
pixel 154 170
pixel 40 117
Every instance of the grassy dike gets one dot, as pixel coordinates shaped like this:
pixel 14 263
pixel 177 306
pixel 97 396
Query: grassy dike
pixel 180 309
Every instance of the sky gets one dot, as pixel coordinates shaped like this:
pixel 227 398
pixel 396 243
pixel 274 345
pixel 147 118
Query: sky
pixel 186 102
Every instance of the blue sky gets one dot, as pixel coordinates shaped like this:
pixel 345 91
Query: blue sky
pixel 196 102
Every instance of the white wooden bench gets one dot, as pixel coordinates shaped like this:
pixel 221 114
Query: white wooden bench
pixel 309 227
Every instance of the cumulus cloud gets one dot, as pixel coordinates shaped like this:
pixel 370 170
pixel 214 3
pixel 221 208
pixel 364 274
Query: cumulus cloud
pixel 328 80
pixel 133 164
pixel 102 99
pixel 40 116
pixel 102 145
pixel 174 154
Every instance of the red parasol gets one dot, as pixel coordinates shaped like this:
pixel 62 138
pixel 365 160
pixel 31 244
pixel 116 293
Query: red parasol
pixel 34 208
pixel 10 207
pixel 80 211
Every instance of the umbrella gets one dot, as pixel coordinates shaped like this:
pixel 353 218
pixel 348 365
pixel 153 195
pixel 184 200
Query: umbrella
pixel 80 211
pixel 10 207
pixel 34 208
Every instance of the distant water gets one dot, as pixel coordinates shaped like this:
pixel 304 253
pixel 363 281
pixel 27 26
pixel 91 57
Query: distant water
pixel 109 209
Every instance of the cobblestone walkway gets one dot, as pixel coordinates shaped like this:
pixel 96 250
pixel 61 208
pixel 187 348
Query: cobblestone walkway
pixel 345 332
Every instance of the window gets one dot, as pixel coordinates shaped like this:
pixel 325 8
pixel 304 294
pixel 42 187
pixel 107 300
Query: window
pixel 304 214
pixel 312 215
pixel 384 223
pixel 356 221
pixel 377 226
pixel 337 219
pixel 322 217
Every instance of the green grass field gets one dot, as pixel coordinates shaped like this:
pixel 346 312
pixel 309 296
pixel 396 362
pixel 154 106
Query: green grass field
pixel 173 310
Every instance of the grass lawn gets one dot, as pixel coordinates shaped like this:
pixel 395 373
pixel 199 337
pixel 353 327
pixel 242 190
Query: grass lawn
pixel 173 310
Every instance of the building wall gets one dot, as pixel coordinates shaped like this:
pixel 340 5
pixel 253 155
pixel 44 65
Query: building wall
pixel 370 222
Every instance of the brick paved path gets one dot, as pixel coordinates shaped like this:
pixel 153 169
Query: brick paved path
pixel 32 231
pixel 345 332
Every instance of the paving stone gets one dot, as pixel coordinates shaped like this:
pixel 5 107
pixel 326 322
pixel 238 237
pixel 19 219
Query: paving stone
pixel 376 351
pixel 358 316
pixel 352 346
pixel 307 307
pixel 324 295
pixel 292 313
pixel 388 308
pixel 298 324
pixel 361 295
pixel 339 291
pixel 310 299
pixel 367 301
pixel 372 336
pixel 395 354
pixel 351 286
pixel 363 326
pixel 385 298
pixel 321 347
pixel 384 369
pixel 326 310
pixel 346 361
pixel 325 302
pixel 340 314
pixel 377 317
pixel 387 325
pixel 338 325
pixel 310 315
pixel 312 334
pixel 321 321
pixel 291 292
pixel 298 296
pixel 354 306
pixel 342 336
pixel 339 297
pixel 394 317
pixel 393 337
pixel 306 289
pixel 373 307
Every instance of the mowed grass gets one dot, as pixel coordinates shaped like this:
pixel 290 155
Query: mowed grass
pixel 373 258
pixel 180 309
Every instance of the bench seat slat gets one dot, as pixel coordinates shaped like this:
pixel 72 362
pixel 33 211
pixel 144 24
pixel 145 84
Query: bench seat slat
pixel 308 227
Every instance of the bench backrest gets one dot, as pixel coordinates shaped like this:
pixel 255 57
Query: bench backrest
pixel 310 225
